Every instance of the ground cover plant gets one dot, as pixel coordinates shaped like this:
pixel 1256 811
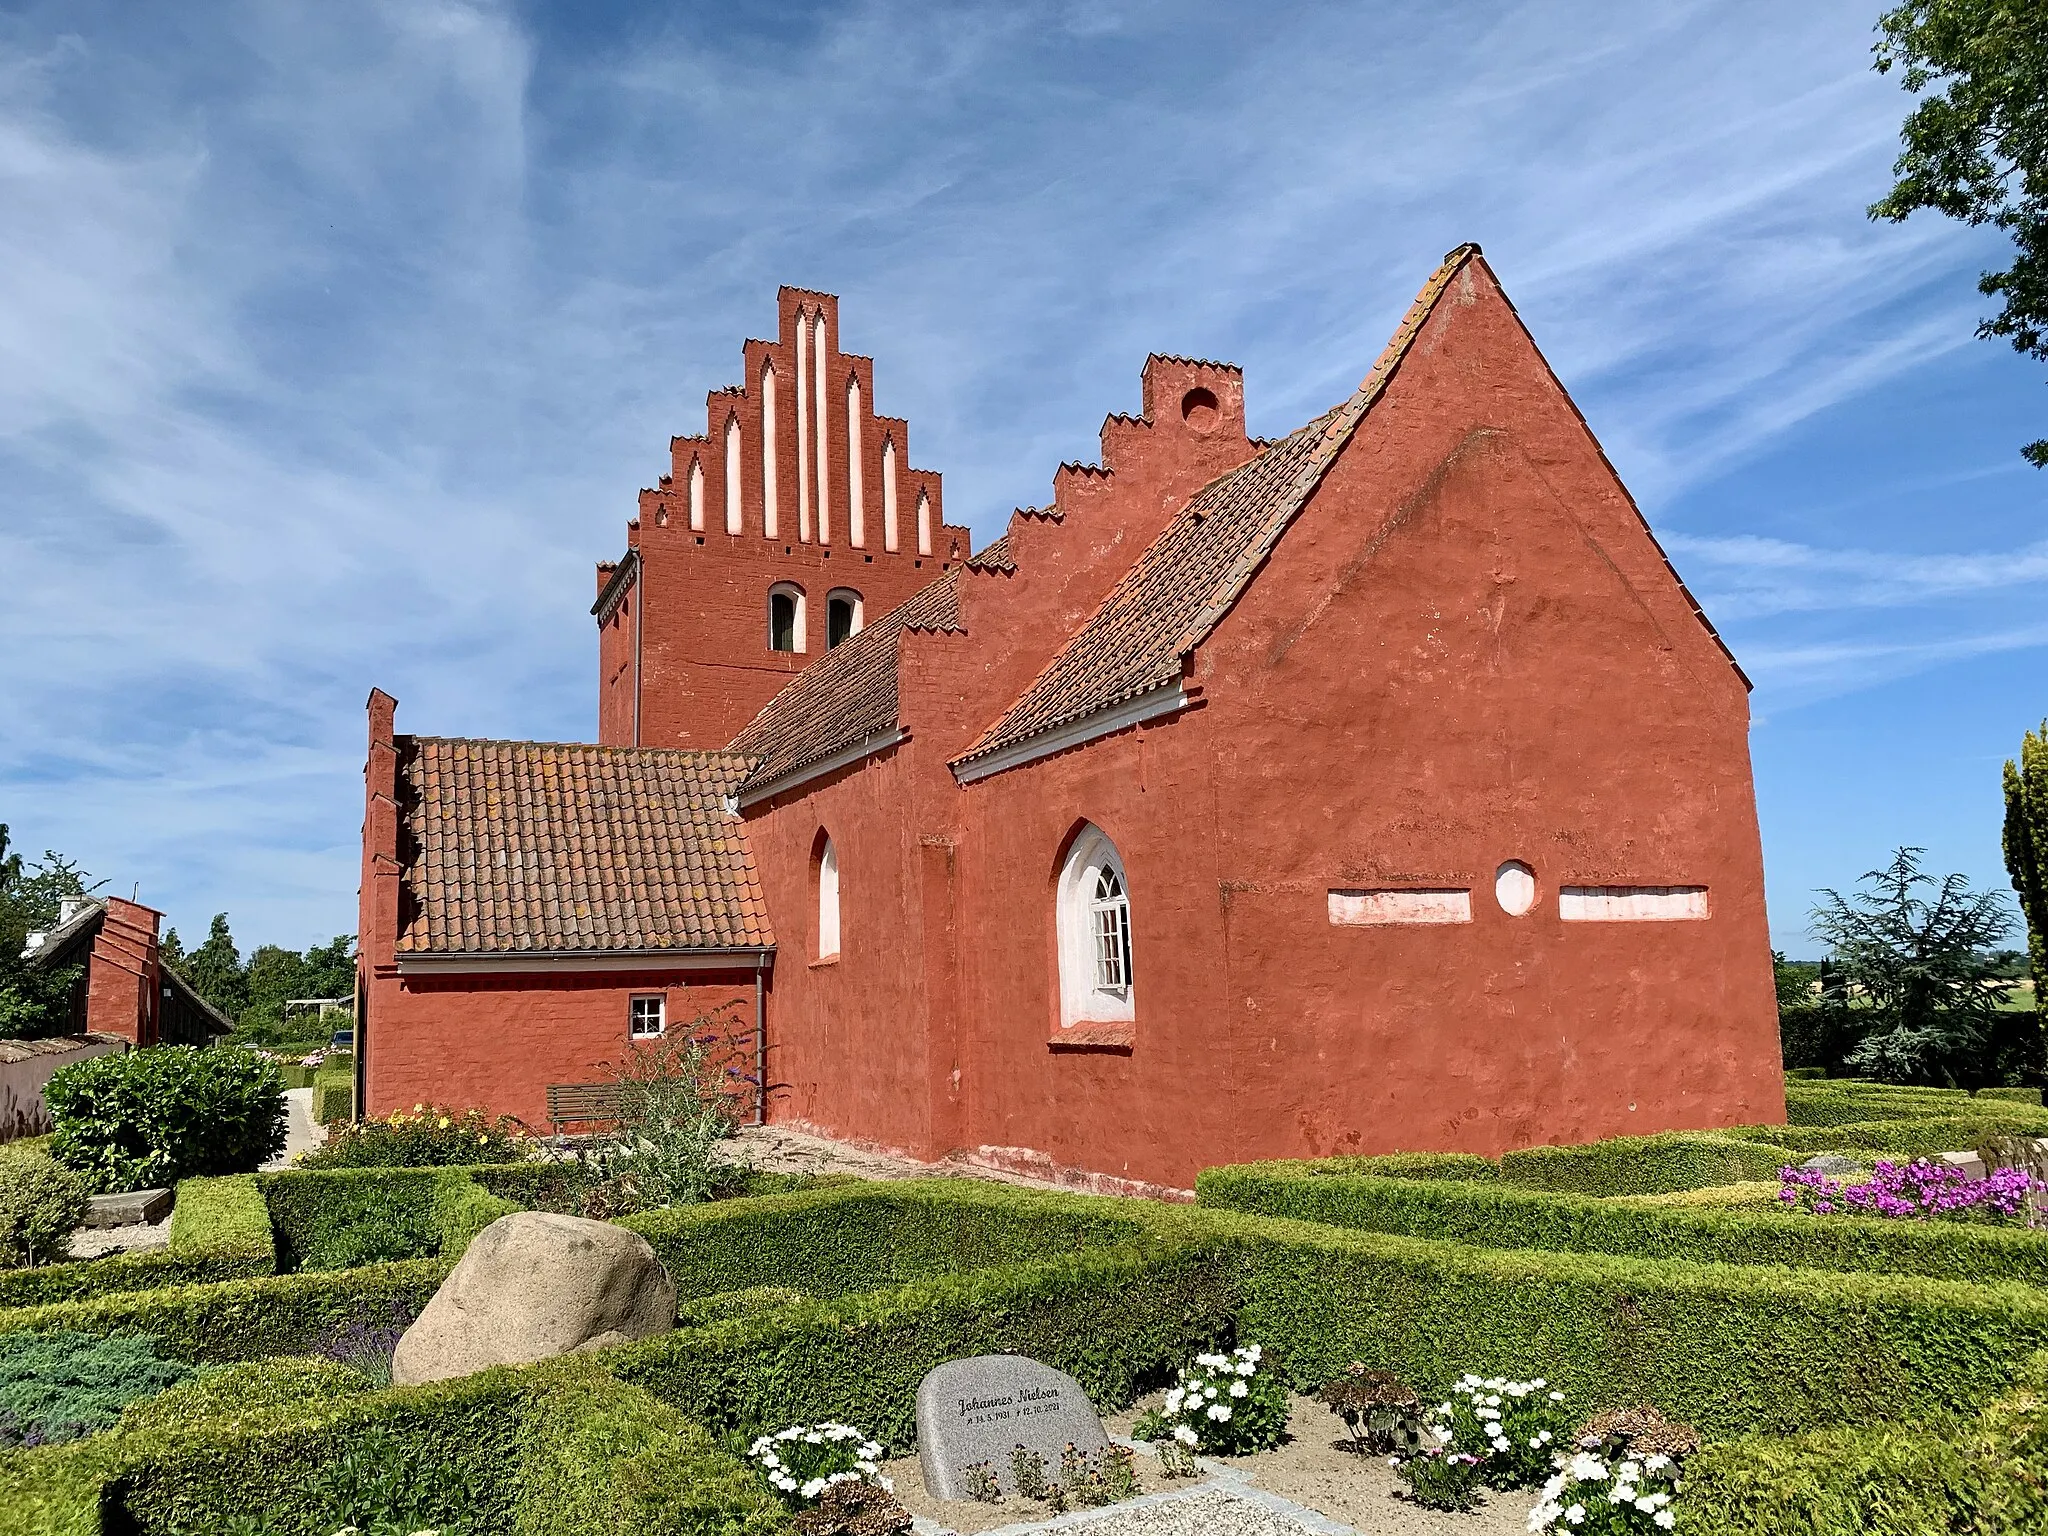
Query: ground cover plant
pixel 147 1118
pixel 1916 1191
pixel 58 1386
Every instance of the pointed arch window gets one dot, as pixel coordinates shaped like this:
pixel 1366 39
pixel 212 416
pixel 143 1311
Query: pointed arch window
pixel 1098 983
pixel 828 899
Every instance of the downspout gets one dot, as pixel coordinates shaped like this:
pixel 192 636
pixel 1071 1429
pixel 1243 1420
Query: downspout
pixel 760 1044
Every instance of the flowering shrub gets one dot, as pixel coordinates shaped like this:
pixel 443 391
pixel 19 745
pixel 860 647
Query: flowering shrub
pixel 1439 1477
pixel 1226 1405
pixel 801 1462
pixel 1611 1498
pixel 428 1137
pixel 1913 1191
pixel 1513 1427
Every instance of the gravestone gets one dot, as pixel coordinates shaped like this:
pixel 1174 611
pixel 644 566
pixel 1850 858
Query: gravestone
pixel 1832 1164
pixel 982 1409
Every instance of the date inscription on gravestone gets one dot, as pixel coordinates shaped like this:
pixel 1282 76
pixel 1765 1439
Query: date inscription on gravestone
pixel 982 1409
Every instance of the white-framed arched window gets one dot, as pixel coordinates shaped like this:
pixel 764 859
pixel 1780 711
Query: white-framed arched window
pixel 845 616
pixel 828 898
pixel 786 617
pixel 1097 984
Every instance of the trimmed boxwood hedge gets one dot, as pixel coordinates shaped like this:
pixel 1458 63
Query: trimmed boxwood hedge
pixel 1118 1320
pixel 1837 1102
pixel 1919 1137
pixel 558 1449
pixel 864 1236
pixel 337 1218
pixel 247 1319
pixel 1500 1216
pixel 1642 1165
pixel 220 1230
pixel 334 1090
pixel 1465 1167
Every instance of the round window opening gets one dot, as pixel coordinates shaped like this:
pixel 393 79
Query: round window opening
pixel 1199 410
pixel 1514 887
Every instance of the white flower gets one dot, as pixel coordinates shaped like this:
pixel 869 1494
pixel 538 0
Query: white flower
pixel 1663 1519
pixel 1173 1398
pixel 1185 1435
pixel 813 1488
pixel 1557 1397
pixel 1253 1353
pixel 1239 1389
pixel 1220 1412
pixel 814 1438
pixel 886 1484
pixel 1576 1514
pixel 1657 1463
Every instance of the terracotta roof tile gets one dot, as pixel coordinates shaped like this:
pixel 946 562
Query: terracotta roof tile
pixel 519 847
pixel 848 695
pixel 1189 576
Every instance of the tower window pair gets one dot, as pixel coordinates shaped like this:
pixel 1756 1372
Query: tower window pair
pixel 844 617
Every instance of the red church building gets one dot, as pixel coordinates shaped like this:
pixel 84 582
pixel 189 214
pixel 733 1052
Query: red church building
pixel 1376 787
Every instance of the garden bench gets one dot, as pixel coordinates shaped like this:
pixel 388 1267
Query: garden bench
pixel 569 1103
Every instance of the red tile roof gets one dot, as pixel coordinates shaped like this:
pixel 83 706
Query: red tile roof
pixel 848 695
pixel 1189 576
pixel 520 847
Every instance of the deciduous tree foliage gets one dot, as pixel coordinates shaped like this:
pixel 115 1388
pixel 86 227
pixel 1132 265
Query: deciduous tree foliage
pixel 33 1002
pixel 1976 148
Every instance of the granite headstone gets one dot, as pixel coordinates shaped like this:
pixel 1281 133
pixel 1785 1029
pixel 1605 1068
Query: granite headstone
pixel 980 1410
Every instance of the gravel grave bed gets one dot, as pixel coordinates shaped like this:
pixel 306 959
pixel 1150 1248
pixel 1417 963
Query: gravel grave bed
pixel 1335 1490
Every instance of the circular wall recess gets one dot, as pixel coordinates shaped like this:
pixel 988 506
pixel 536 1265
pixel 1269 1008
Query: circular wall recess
pixel 1514 887
pixel 1199 410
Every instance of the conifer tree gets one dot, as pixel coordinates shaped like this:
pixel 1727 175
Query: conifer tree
pixel 2026 848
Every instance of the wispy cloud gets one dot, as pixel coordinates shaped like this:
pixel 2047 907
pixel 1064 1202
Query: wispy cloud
pixel 334 341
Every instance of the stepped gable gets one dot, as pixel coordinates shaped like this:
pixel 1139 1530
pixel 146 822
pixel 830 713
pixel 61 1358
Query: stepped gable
pixel 847 697
pixel 535 848
pixel 1184 583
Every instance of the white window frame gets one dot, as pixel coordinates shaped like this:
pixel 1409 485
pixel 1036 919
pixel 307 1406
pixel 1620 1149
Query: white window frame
pixel 828 901
pixel 791 590
pixel 1088 994
pixel 853 599
pixel 636 1011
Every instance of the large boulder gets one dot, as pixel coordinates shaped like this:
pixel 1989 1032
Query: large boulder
pixel 533 1285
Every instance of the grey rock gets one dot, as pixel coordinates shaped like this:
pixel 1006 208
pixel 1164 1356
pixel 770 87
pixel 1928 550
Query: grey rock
pixel 136 1207
pixel 981 1409
pixel 533 1285
pixel 1833 1164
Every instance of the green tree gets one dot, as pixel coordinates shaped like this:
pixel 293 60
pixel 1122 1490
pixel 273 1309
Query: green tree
pixel 1977 148
pixel 1924 969
pixel 215 969
pixel 34 1000
pixel 2026 848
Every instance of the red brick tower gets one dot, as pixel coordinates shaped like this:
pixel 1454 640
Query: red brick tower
pixel 792 521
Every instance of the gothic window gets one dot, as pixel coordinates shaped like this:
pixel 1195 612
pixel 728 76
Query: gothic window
pixel 785 617
pixel 828 899
pixel 1093 924
pixel 842 617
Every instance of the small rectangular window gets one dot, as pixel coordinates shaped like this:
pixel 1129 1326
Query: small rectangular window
pixel 649 1017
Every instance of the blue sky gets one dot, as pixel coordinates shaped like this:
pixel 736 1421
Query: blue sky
pixel 336 337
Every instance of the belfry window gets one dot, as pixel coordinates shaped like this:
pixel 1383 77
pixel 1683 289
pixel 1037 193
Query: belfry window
pixel 785 618
pixel 842 617
pixel 1093 929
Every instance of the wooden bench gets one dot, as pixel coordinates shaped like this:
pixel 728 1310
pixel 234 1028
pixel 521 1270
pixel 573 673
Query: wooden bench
pixel 574 1103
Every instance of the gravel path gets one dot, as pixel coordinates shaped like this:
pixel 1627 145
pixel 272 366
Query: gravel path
pixel 98 1242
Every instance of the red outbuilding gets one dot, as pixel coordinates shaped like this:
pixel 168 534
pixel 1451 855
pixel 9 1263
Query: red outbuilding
pixel 1379 787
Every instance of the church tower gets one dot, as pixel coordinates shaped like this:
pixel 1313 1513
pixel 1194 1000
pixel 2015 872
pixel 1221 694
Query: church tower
pixel 794 520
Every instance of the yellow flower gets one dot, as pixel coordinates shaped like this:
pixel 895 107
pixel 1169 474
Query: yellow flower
pixel 442 1123
pixel 419 1109
pixel 483 1141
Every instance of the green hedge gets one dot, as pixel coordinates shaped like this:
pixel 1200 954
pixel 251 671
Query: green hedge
pixel 1642 1165
pixel 1838 1102
pixel 334 1089
pixel 1885 1481
pixel 1499 1216
pixel 1729 1348
pixel 220 1230
pixel 560 1449
pixel 1117 1320
pixel 1465 1167
pixel 337 1218
pixel 247 1319
pixel 865 1236
pixel 1924 1137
